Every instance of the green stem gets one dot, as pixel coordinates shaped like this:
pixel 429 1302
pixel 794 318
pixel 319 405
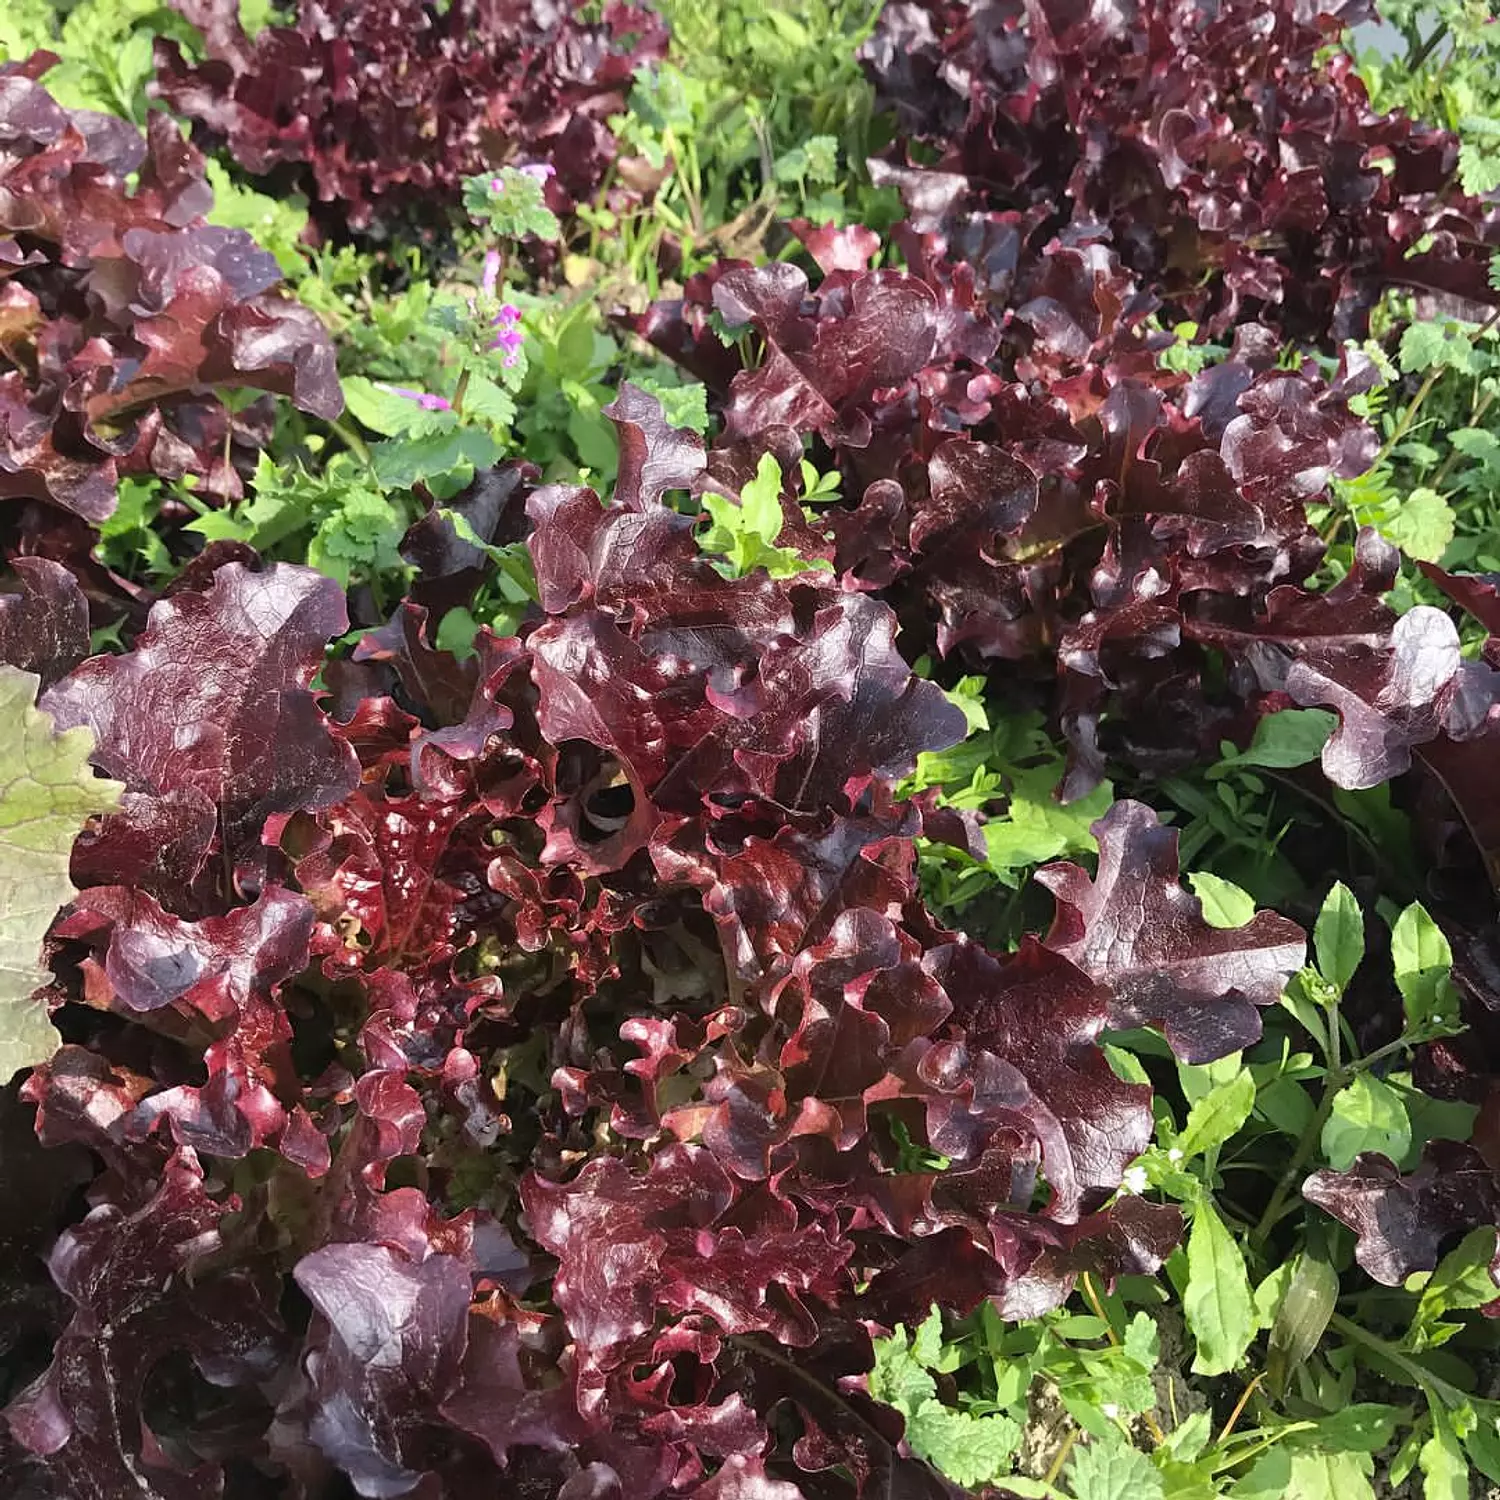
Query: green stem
pixel 1480 407
pixel 459 392
pixel 1287 1184
pixel 1435 1387
pixel 352 441
pixel 1334 1080
pixel 1403 426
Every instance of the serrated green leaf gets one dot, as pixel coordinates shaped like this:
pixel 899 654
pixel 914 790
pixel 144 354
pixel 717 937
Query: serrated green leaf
pixel 1425 345
pixel 1421 525
pixel 1477 443
pixel 1188 1439
pixel 1110 1469
pixel 927 1344
pixel 1224 903
pixel 1218 1115
pixel 47 792
pixel 1478 168
pixel 1367 1115
pixel 970 1450
pixel 745 534
pixel 1143 1340
pixel 1339 936
pixel 400 463
pixel 1217 1303
pixel 898 1378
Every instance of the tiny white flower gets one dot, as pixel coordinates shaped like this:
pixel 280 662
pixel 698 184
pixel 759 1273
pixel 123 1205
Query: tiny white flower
pixel 1174 1154
pixel 1109 1409
pixel 1135 1180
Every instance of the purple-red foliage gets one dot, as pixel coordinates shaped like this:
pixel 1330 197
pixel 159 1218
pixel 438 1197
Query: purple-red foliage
pixel 1233 171
pixel 532 1074
pixel 383 107
pixel 124 312
pixel 1040 479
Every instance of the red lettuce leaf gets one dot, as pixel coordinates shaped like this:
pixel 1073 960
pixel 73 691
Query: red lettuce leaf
pixel 1135 931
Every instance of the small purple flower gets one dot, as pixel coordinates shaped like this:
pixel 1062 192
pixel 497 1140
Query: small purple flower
pixel 497 184
pixel 509 313
pixel 510 360
pixel 538 171
pixel 491 273
pixel 425 399
pixel 508 338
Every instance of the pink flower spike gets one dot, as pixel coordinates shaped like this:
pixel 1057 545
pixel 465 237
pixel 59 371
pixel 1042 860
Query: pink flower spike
pixel 491 273
pixel 425 399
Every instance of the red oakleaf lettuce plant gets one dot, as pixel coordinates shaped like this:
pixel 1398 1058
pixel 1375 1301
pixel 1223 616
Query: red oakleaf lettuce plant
pixel 541 1069
pixel 383 109
pixel 124 312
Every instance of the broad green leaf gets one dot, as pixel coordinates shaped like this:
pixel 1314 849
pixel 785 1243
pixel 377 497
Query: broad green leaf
pixel 1270 1478
pixel 1285 1104
pixel 745 534
pixel 1368 1115
pixel 1125 1064
pixel 1461 1281
pixel 1035 826
pixel 379 407
pixel 1109 1468
pixel 1421 958
pixel 1218 1115
pixel 1224 903
pixel 1330 1476
pixel 1364 1427
pixel 47 792
pixel 1433 1119
pixel 1190 1437
pixel 1421 525
pixel 1339 936
pixel 1271 1292
pixel 1445 1471
pixel 1482 1440
pixel 1293 737
pixel 1217 1303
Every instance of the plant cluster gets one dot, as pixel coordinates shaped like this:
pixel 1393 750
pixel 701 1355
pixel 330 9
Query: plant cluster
pixel 797 828
pixel 442 93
